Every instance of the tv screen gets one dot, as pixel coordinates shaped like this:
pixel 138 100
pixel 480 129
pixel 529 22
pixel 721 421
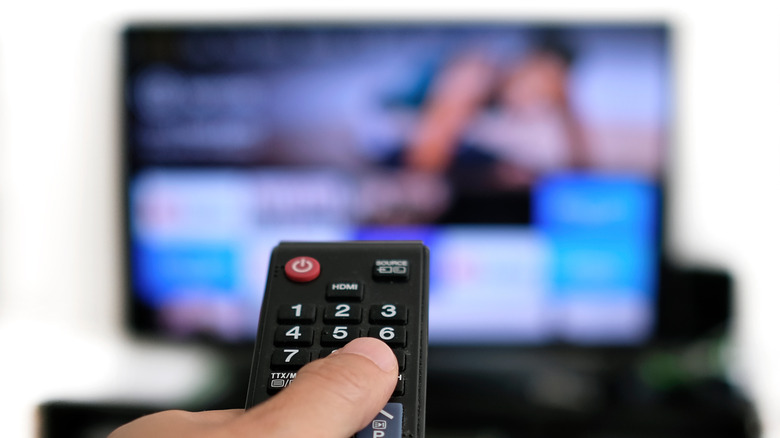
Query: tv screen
pixel 529 157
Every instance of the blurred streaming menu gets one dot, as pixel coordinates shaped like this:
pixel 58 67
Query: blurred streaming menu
pixel 528 157
pixel 601 231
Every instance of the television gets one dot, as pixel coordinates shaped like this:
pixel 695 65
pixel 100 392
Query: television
pixel 528 156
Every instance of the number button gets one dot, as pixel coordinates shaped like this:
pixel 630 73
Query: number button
pixel 343 313
pixel 289 358
pixel 387 314
pixel 294 336
pixel 297 314
pixel 339 335
pixel 393 336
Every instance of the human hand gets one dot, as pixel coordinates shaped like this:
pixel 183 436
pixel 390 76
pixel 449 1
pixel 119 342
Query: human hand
pixel 333 397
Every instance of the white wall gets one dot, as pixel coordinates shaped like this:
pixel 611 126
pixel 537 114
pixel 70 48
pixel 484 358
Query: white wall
pixel 60 334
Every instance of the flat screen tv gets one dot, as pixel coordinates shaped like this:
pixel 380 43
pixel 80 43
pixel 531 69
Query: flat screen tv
pixel 529 157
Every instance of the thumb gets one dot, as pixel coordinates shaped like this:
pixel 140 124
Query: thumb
pixel 332 397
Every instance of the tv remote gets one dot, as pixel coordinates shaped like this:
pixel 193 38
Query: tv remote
pixel 319 296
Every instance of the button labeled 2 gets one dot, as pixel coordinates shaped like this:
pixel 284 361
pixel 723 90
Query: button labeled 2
pixel 343 313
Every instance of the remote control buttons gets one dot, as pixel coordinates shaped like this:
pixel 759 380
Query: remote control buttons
pixel 387 314
pixel 343 313
pixel 294 335
pixel 279 381
pixel 393 336
pixel 388 423
pixel 344 291
pixel 297 313
pixel 339 335
pixel 391 270
pixel 302 269
pixel 289 358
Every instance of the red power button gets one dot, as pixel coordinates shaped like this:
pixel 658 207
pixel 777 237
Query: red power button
pixel 302 269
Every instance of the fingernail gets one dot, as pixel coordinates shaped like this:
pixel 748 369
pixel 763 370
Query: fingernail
pixel 374 350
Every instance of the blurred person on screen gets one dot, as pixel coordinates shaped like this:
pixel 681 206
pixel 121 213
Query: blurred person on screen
pixel 513 120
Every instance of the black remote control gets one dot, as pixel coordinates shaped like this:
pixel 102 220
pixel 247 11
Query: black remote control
pixel 320 296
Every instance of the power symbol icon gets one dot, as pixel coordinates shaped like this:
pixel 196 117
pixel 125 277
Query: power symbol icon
pixel 302 269
pixel 302 266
